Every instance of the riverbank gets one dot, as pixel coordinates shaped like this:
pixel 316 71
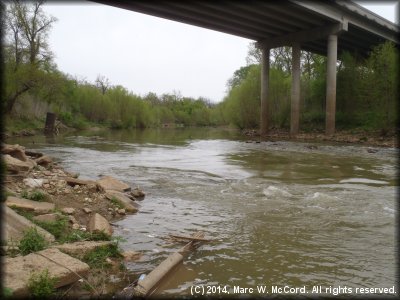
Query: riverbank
pixel 356 136
pixel 76 214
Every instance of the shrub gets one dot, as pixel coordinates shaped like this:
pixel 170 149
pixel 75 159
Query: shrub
pixel 32 241
pixel 42 285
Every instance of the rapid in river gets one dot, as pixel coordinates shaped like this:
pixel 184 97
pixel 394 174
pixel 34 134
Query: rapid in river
pixel 280 213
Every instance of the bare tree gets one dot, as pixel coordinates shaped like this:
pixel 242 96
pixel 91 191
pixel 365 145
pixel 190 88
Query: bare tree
pixel 102 83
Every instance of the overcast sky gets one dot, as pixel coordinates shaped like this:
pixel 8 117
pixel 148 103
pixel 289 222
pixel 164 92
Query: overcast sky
pixel 150 54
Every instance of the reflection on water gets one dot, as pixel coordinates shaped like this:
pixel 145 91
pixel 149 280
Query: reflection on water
pixel 280 213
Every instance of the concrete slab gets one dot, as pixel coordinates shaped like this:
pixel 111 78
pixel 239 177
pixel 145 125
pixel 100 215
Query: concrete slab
pixel 14 226
pixel 81 248
pixel 30 205
pixel 18 270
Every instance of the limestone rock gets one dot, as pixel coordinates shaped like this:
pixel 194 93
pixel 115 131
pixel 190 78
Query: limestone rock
pixel 81 248
pixel 33 182
pixel 25 204
pixel 68 210
pixel 87 210
pixel 131 255
pixel 121 211
pixel 74 181
pixel 14 225
pixel 138 193
pixel 15 151
pixel 18 270
pixel 98 223
pixel 110 183
pixel 47 218
pixel 122 199
pixel 44 160
pixel 72 220
pixel 15 165
pixel 75 226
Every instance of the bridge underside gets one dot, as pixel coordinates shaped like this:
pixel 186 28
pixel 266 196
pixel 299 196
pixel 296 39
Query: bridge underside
pixel 326 28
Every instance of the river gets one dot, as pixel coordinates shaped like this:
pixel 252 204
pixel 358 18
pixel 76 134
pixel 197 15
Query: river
pixel 280 213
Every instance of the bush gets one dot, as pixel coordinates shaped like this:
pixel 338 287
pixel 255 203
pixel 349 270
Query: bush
pixel 41 285
pixel 32 241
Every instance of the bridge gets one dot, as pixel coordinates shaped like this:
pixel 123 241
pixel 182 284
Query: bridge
pixel 323 27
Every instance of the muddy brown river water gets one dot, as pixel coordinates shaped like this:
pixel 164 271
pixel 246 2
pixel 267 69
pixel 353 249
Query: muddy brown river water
pixel 282 214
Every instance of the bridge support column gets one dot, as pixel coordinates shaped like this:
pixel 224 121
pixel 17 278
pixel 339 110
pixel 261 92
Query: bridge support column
pixel 331 85
pixel 264 91
pixel 295 101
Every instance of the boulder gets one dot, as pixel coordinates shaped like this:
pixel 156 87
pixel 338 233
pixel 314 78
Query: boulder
pixel 97 223
pixel 15 165
pixel 34 154
pixel 110 183
pixel 14 226
pixel 47 218
pixel 81 248
pixel 122 199
pixel 131 255
pixel 137 193
pixel 15 151
pixel 30 205
pixel 44 160
pixel 18 270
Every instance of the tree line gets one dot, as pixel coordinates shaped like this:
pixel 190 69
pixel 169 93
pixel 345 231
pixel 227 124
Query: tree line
pixel 367 88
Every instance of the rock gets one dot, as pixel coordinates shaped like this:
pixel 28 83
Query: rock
pixel 93 187
pixel 47 218
pixel 87 210
pixel 122 199
pixel 44 160
pixel 14 225
pixel 137 193
pixel 68 210
pixel 25 204
pixel 18 270
pixel 81 248
pixel 110 183
pixel 15 165
pixel 121 211
pixel 34 154
pixel 131 255
pixel 16 151
pixel 73 181
pixel 33 182
pixel 72 220
pixel 75 226
pixel 98 223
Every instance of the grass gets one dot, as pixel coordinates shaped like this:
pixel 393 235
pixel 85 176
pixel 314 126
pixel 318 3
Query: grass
pixel 78 235
pixel 35 195
pixel 116 203
pixel 41 285
pixel 56 228
pixel 97 257
pixel 32 241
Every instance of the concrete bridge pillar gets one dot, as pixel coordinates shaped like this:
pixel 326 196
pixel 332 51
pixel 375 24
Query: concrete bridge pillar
pixel 264 91
pixel 295 101
pixel 331 85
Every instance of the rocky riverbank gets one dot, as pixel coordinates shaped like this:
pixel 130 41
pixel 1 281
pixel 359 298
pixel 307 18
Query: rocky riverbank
pixel 362 137
pixel 73 217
